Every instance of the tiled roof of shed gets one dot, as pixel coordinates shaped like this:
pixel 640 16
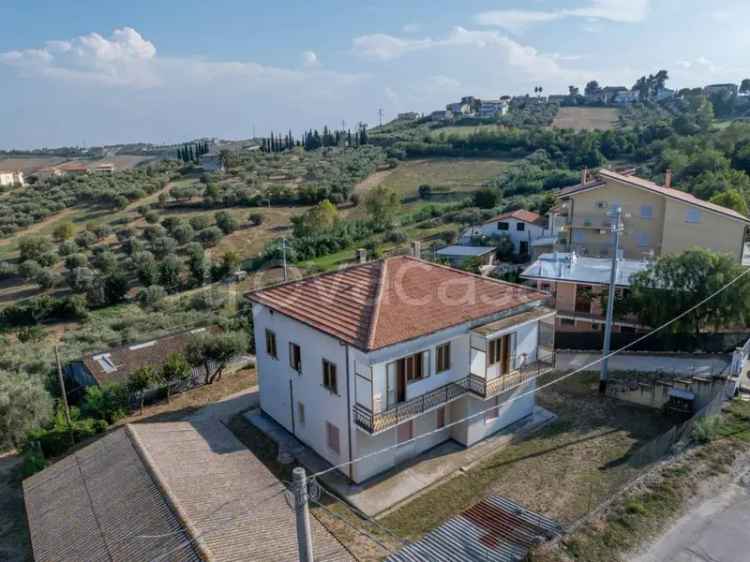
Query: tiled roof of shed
pixel 382 303
pixel 522 215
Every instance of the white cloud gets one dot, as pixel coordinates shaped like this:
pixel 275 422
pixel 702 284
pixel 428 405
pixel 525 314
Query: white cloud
pixel 411 28
pixel 310 59
pixel 385 47
pixel 623 11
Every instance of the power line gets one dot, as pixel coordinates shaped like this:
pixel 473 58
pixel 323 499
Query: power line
pixel 536 389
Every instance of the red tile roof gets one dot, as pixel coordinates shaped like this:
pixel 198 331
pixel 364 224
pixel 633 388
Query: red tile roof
pixel 522 215
pixel 381 303
pixel 653 187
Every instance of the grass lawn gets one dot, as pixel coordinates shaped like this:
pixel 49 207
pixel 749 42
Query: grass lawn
pixel 562 471
pixel 586 118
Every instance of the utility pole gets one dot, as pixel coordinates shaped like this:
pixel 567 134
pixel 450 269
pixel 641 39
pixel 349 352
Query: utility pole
pixel 304 537
pixel 283 253
pixel 616 230
pixel 380 116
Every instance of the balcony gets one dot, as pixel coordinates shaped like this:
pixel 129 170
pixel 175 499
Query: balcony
pixel 479 386
pixel 379 421
pixel 487 388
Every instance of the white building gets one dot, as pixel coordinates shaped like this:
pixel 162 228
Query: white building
pixel 11 178
pixel 375 355
pixel 522 226
pixel 492 108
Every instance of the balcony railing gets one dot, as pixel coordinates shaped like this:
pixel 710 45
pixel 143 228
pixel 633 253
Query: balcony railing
pixel 404 411
pixel 378 421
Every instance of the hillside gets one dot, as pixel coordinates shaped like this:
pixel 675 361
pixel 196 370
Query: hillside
pixel 587 118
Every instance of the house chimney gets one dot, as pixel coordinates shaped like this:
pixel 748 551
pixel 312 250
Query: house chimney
pixel 416 248
pixel 584 175
pixel 668 178
pixel 362 255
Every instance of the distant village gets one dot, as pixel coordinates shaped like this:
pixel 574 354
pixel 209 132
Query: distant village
pixel 651 89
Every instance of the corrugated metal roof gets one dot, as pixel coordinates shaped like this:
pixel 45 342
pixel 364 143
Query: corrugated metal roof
pixel 494 530
pixel 465 250
pixel 94 505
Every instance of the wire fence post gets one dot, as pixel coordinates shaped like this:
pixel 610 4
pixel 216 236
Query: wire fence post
pixel 302 509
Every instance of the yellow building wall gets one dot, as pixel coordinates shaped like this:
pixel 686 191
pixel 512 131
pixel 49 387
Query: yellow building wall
pixel 641 234
pixel 714 231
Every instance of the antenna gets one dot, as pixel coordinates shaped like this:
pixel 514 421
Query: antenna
pixel 380 115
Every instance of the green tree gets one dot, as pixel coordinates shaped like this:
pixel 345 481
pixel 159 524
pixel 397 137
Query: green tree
pixel 745 86
pixel 485 198
pixel 214 349
pixel 197 264
pixel 210 236
pixel 673 284
pixel 63 231
pixel 140 381
pixel 226 222
pixel 382 205
pixel 146 268
pixel 170 270
pixel 318 220
pixel 25 405
pixel 33 247
pixel 152 296
pixel 731 199
pixel 106 402
pixel 174 372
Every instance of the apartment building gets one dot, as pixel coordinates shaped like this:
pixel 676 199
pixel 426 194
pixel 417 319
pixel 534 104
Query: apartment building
pixel 373 356
pixel 659 220
pixel 577 285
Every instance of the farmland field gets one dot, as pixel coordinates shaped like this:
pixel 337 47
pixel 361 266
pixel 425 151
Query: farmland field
pixel 586 118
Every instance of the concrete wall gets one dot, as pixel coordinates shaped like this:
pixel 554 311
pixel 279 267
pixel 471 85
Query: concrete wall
pixel 275 376
pixel 642 233
pixel 714 231
pixel 654 394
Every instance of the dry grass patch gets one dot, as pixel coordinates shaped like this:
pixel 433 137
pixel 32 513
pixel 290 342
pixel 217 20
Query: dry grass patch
pixel 586 118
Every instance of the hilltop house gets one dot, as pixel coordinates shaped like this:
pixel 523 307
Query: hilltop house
pixel 521 226
pixel 408 116
pixel 659 219
pixel 11 178
pixel 577 284
pixel 373 356
pixel 492 108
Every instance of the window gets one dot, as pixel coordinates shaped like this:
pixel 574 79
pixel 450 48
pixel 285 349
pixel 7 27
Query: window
pixel 567 322
pixel 579 236
pixel 415 367
pixel 440 415
pixel 502 226
pixel 693 216
pixel 601 205
pixel 271 344
pixel 443 357
pixel 405 431
pixel 329 376
pixel 301 414
pixel 295 357
pixel 494 413
pixel 494 348
pixel 332 438
pixel 647 212
pixel 520 227
pixel 643 239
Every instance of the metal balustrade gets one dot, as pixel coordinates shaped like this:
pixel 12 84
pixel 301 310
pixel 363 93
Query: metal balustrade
pixel 484 388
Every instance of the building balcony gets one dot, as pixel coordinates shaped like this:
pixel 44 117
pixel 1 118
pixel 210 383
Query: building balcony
pixel 375 422
pixel 487 388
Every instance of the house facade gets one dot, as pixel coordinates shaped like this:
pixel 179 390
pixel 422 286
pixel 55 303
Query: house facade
pixel 11 178
pixel 577 285
pixel 372 357
pixel 659 220
pixel 522 226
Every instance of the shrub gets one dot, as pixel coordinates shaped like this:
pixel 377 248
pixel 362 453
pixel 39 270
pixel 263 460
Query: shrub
pixel 226 222
pixel 106 402
pixel 7 270
pixel 63 231
pixel 31 247
pixel 395 237
pixel 255 219
pixel 152 217
pixel 85 239
pixel 33 461
pixel 425 191
pixel 152 296
pixel 199 222
pixel 210 236
pixel 29 269
pixel 706 429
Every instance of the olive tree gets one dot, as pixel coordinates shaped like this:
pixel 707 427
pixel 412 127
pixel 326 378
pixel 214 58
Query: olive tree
pixel 213 352
pixel 25 405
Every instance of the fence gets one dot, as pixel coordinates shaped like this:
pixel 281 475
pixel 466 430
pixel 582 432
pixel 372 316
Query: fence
pixel 708 343
pixel 627 472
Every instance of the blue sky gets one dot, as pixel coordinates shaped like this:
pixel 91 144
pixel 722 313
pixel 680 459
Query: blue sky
pixel 96 72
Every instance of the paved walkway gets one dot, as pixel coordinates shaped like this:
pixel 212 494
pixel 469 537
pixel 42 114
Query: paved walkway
pixel 701 365
pixel 714 531
pixel 383 493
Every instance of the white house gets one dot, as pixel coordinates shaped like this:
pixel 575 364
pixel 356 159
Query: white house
pixel 372 356
pixel 11 178
pixel 492 108
pixel 522 226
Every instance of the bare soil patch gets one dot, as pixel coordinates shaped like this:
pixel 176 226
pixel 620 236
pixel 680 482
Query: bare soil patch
pixel 586 118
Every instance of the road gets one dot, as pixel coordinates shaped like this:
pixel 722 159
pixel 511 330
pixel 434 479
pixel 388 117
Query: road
pixel 716 530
